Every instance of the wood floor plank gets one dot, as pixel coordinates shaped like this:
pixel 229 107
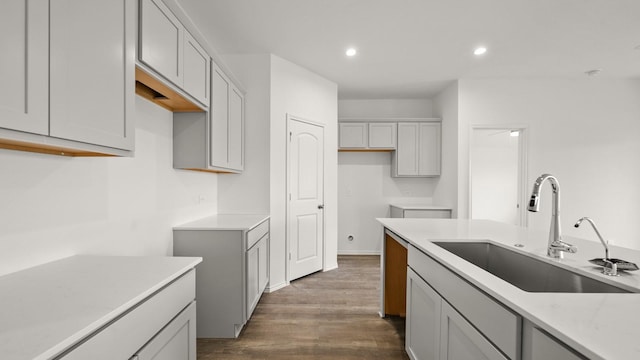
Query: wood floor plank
pixel 326 315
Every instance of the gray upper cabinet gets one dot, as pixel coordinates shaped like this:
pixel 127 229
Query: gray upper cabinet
pixel 161 37
pixel 367 136
pixel 166 47
pixel 212 141
pixel 418 151
pixel 196 69
pixel 87 48
pixel 219 129
pixel 353 135
pixel 24 28
pixel 227 123
pixel 68 86
pixel 382 136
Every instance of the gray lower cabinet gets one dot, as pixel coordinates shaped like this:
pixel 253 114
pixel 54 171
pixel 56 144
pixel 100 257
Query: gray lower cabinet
pixel 231 278
pixel 173 342
pixel 419 212
pixel 538 345
pixel 435 330
pixel 459 340
pixel 467 323
pixel 448 318
pixel 424 309
pixel 162 327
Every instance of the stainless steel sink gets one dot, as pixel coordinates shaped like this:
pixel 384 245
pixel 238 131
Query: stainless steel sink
pixel 525 272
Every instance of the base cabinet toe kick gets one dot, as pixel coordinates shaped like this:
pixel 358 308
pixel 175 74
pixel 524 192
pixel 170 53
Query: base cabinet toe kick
pixel 449 318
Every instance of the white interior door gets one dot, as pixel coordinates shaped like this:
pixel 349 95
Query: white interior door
pixel 305 221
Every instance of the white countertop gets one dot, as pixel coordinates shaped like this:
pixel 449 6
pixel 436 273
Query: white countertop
pixel 224 222
pixel 420 207
pixel 47 308
pixel 600 326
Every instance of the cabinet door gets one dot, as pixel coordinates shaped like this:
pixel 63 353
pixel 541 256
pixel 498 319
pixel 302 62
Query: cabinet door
pixel 177 341
pixel 263 264
pixel 407 149
pixel 461 341
pixel 429 149
pixel 196 69
pixel 353 135
pixel 253 278
pixel 235 141
pixel 543 347
pixel 382 135
pixel 24 27
pixel 422 340
pixel 219 128
pixel 92 59
pixel 161 40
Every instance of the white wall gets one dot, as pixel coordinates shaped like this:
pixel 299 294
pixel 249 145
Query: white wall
pixel 365 191
pixel 301 93
pixel 376 108
pixel 365 185
pixel 53 207
pixel 583 131
pixel 248 193
pixel 446 108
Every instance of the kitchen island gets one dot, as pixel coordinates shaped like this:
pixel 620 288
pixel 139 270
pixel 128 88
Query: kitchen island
pixel 588 325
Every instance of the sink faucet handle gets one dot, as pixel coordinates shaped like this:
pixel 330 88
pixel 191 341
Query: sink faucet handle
pixel 563 246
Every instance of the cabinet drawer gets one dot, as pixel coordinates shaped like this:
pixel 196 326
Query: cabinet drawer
pixel 257 233
pixel 498 324
pixel 128 333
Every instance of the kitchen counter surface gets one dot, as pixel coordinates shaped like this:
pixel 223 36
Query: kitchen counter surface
pixel 224 222
pixel 48 308
pixel 600 326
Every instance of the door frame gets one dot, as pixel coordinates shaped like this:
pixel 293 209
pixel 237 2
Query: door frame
pixel 291 118
pixel 523 146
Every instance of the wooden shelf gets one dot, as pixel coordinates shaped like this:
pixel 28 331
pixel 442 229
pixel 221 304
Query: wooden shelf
pixel 161 94
pixel 45 149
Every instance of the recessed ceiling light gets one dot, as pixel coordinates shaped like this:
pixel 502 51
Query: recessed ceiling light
pixel 479 50
pixel 593 72
pixel 351 52
pixel 514 133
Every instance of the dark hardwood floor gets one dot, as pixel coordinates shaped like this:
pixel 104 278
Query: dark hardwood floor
pixel 330 315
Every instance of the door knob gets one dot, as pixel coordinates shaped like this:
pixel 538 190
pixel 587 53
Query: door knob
pixel 321 206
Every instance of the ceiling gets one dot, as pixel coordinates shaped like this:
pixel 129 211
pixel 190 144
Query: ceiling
pixel 414 48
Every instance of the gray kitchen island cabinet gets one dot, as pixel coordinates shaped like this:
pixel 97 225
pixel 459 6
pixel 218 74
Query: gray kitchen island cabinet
pixel 234 271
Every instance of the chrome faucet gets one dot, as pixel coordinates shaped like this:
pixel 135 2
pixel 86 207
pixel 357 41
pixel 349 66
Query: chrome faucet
pixel 556 247
pixel 610 268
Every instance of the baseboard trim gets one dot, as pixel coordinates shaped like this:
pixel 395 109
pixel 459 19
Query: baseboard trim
pixel 358 252
pixel 335 266
pixel 276 287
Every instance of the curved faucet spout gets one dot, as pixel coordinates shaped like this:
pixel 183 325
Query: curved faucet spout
pixel 593 225
pixel 556 246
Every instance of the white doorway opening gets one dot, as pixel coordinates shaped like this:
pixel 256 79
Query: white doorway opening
pixel 498 157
